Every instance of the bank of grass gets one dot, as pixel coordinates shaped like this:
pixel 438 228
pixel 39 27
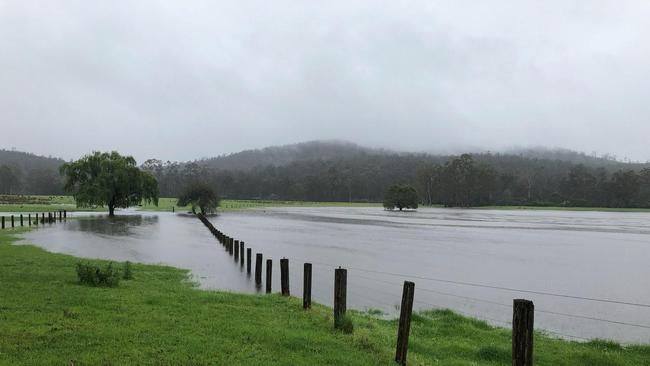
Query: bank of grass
pixel 54 203
pixel 159 318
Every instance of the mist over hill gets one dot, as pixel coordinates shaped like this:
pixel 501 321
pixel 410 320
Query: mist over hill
pixel 286 154
pixel 344 171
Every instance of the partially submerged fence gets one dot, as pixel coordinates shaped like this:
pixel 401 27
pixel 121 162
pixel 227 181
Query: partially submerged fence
pixel 29 219
pixel 523 310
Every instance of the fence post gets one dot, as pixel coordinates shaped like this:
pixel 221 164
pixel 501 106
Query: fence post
pixel 230 245
pixel 523 312
pixel 21 219
pixel 65 214
pixel 241 254
pixel 43 216
pixel 258 268
pixel 404 322
pixel 284 276
pixel 29 219
pixel 236 250
pixel 249 254
pixel 306 290
pixel 12 221
pixel 269 266
pixel 340 295
pixel 3 222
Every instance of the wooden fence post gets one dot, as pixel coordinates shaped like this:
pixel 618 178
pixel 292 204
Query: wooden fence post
pixel 249 254
pixel 306 290
pixel 65 214
pixel 258 268
pixel 21 220
pixel 523 313
pixel 236 250
pixel 43 216
pixel 340 295
pixel 29 219
pixel 241 254
pixel 231 243
pixel 12 221
pixel 284 276
pixel 404 322
pixel 3 222
pixel 269 266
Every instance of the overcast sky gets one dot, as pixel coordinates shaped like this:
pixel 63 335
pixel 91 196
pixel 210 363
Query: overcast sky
pixel 181 80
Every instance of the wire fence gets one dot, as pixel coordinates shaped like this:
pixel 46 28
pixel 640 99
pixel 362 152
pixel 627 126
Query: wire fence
pixel 379 277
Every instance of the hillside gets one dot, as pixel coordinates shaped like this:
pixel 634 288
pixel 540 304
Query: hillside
pixel 22 172
pixel 286 154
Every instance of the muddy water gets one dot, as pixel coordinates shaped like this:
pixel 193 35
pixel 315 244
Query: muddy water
pixel 578 254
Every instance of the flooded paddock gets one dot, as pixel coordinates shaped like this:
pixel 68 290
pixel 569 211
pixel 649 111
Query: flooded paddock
pixel 587 272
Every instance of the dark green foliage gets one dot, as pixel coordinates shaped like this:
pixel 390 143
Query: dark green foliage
pixel 346 325
pixel 401 197
pixel 94 275
pixel 127 273
pixel 109 179
pixel 200 195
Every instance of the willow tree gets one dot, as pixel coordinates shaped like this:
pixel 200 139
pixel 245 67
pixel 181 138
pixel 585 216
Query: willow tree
pixel 109 179
pixel 199 195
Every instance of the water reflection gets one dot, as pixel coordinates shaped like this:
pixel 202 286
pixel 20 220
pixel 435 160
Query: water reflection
pixel 122 225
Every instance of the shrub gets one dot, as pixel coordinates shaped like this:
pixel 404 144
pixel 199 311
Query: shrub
pixel 346 325
pixel 93 275
pixel 128 271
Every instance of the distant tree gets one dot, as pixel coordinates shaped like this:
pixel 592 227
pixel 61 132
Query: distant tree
pixel 624 188
pixel 199 195
pixel 9 180
pixel 109 179
pixel 401 197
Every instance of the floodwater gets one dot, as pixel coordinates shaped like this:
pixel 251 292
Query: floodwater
pixel 587 272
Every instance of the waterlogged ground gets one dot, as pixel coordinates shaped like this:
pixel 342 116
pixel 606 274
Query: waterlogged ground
pixel 582 254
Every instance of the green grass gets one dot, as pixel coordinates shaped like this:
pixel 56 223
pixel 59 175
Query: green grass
pixel 54 203
pixel 159 318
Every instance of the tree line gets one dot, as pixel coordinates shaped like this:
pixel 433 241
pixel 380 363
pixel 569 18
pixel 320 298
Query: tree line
pixel 463 181
pixel 362 176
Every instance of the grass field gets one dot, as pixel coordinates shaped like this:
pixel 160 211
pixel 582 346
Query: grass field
pixel 53 203
pixel 159 318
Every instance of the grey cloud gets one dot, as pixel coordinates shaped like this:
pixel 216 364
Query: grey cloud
pixel 180 80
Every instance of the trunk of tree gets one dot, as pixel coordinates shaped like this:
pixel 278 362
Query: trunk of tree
pixel 111 211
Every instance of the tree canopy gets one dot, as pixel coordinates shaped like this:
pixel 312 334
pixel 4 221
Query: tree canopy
pixel 109 179
pixel 401 196
pixel 200 195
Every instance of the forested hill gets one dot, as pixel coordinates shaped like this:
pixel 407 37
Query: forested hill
pixel 22 172
pixel 341 171
pixel 286 154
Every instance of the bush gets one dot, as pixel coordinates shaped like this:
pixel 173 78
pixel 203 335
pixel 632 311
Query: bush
pixel 345 325
pixel 93 275
pixel 128 271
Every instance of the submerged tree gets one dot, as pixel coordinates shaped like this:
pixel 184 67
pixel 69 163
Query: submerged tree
pixel 401 197
pixel 109 179
pixel 199 195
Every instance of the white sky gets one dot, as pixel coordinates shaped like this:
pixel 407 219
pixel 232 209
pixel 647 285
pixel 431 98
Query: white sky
pixel 180 80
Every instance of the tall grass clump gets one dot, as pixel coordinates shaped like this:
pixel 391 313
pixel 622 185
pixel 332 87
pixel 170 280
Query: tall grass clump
pixel 93 275
pixel 127 274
